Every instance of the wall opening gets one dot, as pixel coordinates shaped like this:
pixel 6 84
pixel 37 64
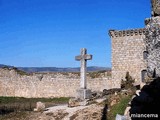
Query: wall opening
pixel 143 75
pixel 145 55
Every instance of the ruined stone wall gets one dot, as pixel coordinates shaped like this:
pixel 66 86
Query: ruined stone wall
pixel 153 46
pixel 127 54
pixel 46 85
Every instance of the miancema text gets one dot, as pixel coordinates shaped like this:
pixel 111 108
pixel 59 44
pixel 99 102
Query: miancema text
pixel 144 115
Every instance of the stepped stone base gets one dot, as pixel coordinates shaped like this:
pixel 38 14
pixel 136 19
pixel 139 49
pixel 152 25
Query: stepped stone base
pixel 83 94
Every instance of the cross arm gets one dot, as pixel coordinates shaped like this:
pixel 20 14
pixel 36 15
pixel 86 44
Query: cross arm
pixel 88 57
pixel 85 57
pixel 78 58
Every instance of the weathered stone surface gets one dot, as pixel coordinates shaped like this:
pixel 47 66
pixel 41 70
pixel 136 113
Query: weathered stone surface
pixel 155 7
pixel 83 94
pixel 73 102
pixel 90 112
pixel 152 40
pixel 127 55
pixel 113 102
pixel 51 85
pixel 137 50
pixel 83 58
pixel 100 100
pixel 114 99
pixel 111 91
pixel 39 106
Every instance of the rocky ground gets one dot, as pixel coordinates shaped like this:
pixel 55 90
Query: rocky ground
pixel 90 112
pixel 62 112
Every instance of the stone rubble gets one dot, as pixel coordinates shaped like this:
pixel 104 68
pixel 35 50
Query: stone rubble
pixel 39 107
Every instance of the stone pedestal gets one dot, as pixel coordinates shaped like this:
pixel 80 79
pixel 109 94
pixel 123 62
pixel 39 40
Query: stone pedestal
pixel 83 94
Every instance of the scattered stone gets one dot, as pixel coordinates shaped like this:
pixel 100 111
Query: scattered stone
pixel 100 100
pixel 129 103
pixel 39 107
pixel 126 112
pixel 142 85
pixel 111 91
pixel 63 112
pixel 113 99
pixel 58 115
pixel 124 92
pixel 96 95
pixel 113 102
pixel 84 103
pixel 137 92
pixel 73 102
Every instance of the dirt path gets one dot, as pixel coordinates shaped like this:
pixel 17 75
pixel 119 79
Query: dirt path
pixel 63 112
pixel 60 112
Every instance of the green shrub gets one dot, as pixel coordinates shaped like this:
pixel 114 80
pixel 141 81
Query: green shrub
pixel 20 72
pixel 128 82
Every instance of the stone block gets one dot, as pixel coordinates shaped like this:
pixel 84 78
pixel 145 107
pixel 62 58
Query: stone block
pixel 73 102
pixel 83 94
pixel 100 100
pixel 39 106
pixel 126 112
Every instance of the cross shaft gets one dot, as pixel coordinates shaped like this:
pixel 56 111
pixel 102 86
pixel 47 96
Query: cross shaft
pixel 83 58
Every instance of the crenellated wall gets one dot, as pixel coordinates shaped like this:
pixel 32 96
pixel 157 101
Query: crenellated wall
pixel 123 33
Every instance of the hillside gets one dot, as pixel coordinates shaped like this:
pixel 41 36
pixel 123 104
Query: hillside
pixel 57 69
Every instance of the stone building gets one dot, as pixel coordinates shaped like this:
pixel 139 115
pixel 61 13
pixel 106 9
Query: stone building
pixel 128 48
pixel 137 50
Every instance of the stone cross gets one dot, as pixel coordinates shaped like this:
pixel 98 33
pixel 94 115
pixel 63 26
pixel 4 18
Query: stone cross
pixel 83 58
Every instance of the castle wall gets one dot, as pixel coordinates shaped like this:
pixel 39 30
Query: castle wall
pixel 46 85
pixel 127 55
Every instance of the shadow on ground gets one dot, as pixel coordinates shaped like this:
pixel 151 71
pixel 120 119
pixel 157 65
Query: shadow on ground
pixel 147 104
pixel 104 112
pixel 4 111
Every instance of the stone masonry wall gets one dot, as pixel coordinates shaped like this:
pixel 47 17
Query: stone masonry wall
pixel 127 54
pixel 153 46
pixel 45 85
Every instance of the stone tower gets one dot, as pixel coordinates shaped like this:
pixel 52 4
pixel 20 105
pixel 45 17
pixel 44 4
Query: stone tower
pixel 137 51
pixel 128 47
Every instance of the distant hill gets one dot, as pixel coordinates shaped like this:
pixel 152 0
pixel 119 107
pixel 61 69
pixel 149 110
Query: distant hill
pixel 56 69
pixel 2 65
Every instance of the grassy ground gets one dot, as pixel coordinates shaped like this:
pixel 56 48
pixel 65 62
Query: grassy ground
pixel 7 100
pixel 118 108
pixel 19 105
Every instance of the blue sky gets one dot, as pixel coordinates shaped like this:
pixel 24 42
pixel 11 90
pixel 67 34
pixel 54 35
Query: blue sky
pixel 50 33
